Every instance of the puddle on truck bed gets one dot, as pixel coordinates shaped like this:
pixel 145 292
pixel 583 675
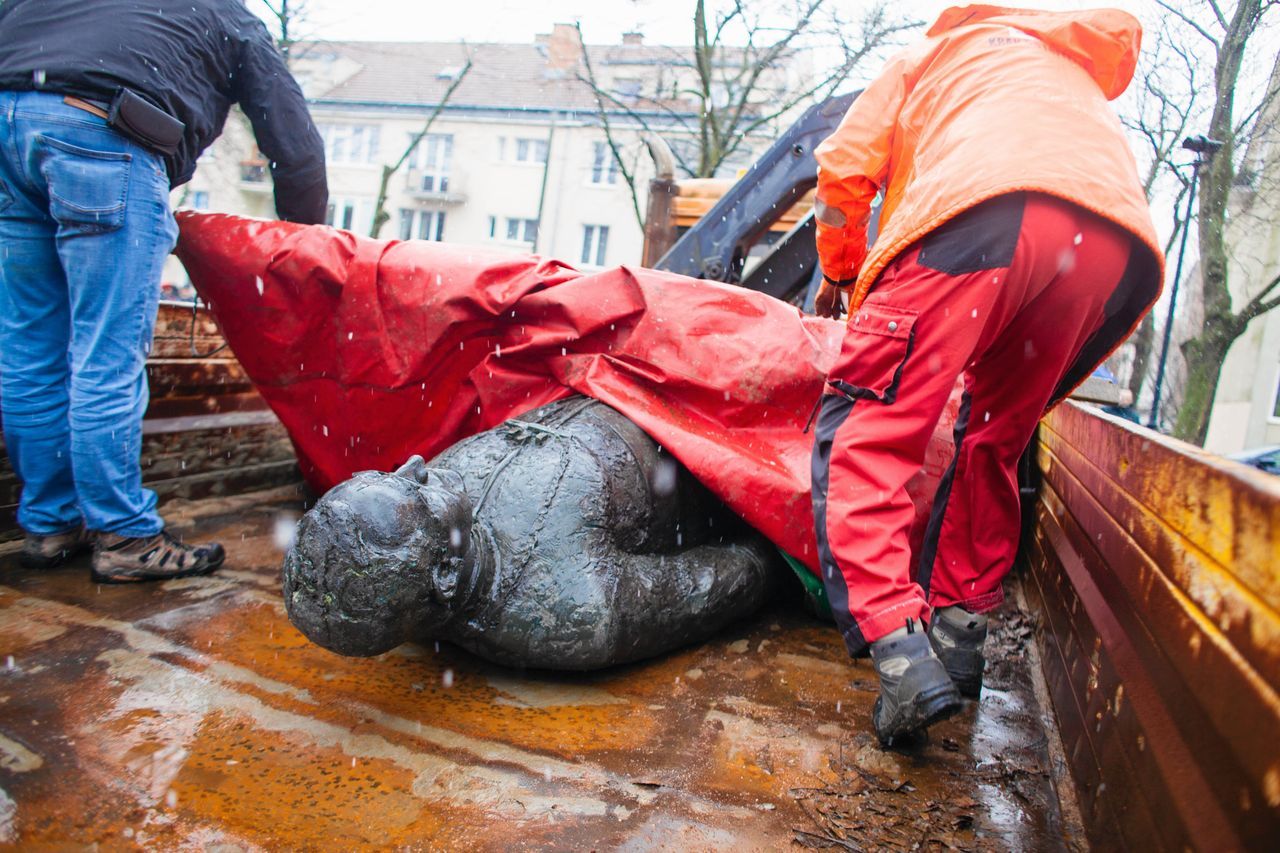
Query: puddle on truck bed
pixel 191 715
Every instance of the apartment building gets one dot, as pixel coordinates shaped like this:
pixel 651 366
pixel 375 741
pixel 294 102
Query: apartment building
pixel 517 158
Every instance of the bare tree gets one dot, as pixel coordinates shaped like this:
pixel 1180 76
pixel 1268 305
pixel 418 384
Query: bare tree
pixel 733 81
pixel 1223 33
pixel 1162 103
pixel 290 19
pixel 380 215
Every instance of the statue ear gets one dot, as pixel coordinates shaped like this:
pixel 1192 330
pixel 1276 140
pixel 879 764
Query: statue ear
pixel 415 468
pixel 446 477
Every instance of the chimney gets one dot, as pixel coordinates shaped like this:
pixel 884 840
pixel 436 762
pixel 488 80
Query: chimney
pixel 564 47
pixel 633 38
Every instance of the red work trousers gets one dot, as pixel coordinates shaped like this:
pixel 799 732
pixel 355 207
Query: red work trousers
pixel 1023 294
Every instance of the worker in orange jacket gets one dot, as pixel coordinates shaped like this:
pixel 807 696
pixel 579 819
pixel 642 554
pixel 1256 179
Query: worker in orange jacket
pixel 1016 248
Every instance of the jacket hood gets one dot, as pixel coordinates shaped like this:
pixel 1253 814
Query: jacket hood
pixel 1105 42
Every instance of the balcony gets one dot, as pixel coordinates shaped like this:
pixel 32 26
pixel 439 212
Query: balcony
pixel 424 185
pixel 254 176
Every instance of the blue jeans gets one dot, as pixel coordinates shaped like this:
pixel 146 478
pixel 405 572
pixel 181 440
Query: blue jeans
pixel 84 231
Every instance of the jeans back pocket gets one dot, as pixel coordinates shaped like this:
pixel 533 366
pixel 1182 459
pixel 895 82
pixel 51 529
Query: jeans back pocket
pixel 88 189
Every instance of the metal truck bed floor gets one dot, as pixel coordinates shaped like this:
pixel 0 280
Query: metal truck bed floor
pixel 190 715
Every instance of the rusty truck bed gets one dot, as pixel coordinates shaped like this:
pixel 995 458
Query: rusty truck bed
pixel 191 715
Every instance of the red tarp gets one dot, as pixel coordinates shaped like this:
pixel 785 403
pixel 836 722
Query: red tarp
pixel 372 350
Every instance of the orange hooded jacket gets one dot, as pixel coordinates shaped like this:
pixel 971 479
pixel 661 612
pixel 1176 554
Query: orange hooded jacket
pixel 993 101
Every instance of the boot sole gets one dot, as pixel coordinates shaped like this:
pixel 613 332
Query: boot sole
pixel 931 706
pixel 98 577
pixel 32 561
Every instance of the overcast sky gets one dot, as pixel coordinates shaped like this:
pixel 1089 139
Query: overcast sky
pixel 603 21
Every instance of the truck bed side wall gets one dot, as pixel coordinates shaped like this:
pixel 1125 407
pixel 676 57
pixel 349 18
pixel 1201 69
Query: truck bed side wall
pixel 1154 565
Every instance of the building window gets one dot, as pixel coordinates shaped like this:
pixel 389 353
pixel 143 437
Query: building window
pixel 493 227
pixel 432 158
pixel 522 230
pixel 604 166
pixel 431 225
pixel 200 200
pixel 1275 401
pixel 421 224
pixel 628 88
pixel 531 150
pixel 350 143
pixel 595 242
pixel 349 214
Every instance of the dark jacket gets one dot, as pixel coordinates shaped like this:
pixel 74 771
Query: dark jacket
pixel 193 58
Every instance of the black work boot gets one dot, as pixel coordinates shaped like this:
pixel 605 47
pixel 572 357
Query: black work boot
pixel 53 549
pixel 915 690
pixel 957 637
pixel 125 559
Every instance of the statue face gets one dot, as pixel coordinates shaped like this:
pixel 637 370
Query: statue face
pixel 377 560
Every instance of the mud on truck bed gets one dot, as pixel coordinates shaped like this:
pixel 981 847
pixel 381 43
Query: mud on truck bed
pixel 1133 672
pixel 192 715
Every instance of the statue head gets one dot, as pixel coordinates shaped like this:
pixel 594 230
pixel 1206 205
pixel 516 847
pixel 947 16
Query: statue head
pixel 381 559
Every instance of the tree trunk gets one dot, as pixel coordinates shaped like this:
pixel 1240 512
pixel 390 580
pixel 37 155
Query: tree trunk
pixel 1143 343
pixel 1204 356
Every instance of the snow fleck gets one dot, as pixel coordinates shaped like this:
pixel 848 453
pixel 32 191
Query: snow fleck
pixel 257 280
pixel 664 477
pixel 447 678
pixel 285 531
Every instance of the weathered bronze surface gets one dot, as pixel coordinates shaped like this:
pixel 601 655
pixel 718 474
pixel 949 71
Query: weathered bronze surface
pixel 562 539
pixel 192 715
pixel 1155 565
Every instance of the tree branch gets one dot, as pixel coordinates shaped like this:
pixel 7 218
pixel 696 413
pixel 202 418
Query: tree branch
pixel 1171 9
pixel 380 215
pixel 614 151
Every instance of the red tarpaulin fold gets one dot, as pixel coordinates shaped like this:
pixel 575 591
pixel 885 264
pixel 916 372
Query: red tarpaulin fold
pixel 372 350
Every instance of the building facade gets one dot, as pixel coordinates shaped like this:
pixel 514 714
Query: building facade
pixel 517 158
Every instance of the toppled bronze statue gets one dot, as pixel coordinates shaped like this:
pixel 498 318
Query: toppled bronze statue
pixel 564 539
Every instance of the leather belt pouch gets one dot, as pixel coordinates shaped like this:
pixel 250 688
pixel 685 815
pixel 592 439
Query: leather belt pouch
pixel 144 123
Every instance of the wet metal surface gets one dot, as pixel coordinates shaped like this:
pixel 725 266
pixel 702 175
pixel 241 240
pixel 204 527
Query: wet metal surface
pixel 1154 567
pixel 191 715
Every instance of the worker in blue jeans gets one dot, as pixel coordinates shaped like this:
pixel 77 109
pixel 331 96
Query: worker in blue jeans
pixel 104 106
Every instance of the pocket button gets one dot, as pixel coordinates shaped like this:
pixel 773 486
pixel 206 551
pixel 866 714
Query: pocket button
pixel 893 325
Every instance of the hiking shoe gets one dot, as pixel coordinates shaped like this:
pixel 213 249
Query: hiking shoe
pixel 125 559
pixel 51 550
pixel 957 637
pixel 915 690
